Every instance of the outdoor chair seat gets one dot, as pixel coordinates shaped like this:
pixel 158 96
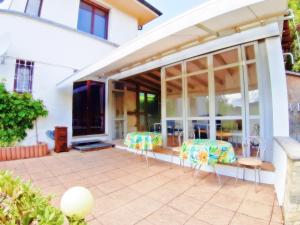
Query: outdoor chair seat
pixel 250 161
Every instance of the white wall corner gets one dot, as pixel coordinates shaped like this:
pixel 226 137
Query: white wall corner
pixel 278 87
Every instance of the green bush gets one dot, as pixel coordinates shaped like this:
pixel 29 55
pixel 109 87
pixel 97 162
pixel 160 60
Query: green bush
pixel 295 6
pixel 21 204
pixel 17 114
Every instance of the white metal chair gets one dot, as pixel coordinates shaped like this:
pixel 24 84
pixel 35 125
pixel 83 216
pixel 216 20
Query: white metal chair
pixel 250 161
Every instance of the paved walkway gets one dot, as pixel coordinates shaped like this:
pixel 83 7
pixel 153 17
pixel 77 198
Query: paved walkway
pixel 127 192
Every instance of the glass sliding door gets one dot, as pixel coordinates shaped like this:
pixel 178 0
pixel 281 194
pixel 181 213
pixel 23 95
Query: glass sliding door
pixel 198 98
pixel 228 97
pixel 214 96
pixel 252 94
pixel 173 104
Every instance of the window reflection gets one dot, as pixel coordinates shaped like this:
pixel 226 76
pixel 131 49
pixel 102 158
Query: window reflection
pixel 198 101
pixel 174 132
pixel 228 92
pixel 231 131
pixel 174 98
pixel 199 129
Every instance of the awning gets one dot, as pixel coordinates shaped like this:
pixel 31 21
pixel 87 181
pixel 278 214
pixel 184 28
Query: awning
pixel 211 20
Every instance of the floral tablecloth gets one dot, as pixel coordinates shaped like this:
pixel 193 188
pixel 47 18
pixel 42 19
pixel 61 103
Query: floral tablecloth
pixel 207 152
pixel 144 141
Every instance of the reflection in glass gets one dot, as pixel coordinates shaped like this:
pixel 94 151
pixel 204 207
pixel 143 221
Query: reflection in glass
pixel 119 105
pixel 85 18
pixel 197 65
pixel 254 127
pixel 198 129
pixel 229 100
pixel 174 133
pixel 153 109
pixel 225 58
pixel 174 101
pixel 119 129
pixel 142 101
pixel 173 71
pixel 100 19
pixel 231 131
pixel 253 91
pixel 198 101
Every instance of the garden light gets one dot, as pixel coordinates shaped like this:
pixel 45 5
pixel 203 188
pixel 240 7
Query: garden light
pixel 77 201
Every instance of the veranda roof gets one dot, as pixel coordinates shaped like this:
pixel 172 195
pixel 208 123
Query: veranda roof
pixel 209 21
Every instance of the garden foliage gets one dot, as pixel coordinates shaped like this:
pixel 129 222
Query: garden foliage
pixel 20 204
pixel 17 114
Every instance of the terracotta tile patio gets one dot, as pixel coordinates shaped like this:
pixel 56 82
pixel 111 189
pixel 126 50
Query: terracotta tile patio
pixel 127 192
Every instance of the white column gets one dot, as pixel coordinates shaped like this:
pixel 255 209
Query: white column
pixel 278 87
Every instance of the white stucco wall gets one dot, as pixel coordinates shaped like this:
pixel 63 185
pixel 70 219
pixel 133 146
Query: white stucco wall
pixel 56 52
pixel 121 28
pixel 280 162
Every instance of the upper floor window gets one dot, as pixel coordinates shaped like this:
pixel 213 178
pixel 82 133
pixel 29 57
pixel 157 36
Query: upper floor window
pixel 23 76
pixel 33 7
pixel 93 19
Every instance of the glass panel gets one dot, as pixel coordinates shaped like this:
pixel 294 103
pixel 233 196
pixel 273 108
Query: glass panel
pixel 255 127
pixel 253 91
pixel 131 111
pixel 142 102
pixel 143 123
pixel 173 71
pixel 225 58
pixel 33 7
pixel 119 105
pixel 174 133
pixel 250 53
pixel 96 107
pixel 198 101
pixel 80 105
pixel 199 129
pixel 119 129
pixel 153 109
pixel 174 99
pixel 196 65
pixel 229 100
pixel 85 18
pixel 100 18
pixel 231 131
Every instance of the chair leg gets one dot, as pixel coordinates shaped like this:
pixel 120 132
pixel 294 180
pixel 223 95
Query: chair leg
pixel 244 171
pixel 237 173
pixel 255 177
pixel 259 177
pixel 154 154
pixel 218 176
pixel 146 154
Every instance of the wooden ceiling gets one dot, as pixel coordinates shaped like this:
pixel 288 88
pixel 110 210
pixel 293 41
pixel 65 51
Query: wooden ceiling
pixel 149 80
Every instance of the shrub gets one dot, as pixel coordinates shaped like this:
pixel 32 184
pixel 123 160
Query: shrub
pixel 20 203
pixel 17 114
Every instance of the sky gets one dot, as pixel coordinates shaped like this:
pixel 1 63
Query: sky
pixel 170 9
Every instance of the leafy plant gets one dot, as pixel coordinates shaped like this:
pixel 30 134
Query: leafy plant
pixel 295 6
pixel 20 203
pixel 17 114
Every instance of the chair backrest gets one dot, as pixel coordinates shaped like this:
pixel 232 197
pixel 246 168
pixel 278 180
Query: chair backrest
pixel 254 143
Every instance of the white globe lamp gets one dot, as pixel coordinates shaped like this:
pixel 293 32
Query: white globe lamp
pixel 77 201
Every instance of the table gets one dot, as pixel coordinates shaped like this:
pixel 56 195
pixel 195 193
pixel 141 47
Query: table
pixel 207 152
pixel 201 152
pixel 144 141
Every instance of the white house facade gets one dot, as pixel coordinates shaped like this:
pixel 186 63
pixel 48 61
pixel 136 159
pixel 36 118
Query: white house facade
pixel 50 40
pixel 216 71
